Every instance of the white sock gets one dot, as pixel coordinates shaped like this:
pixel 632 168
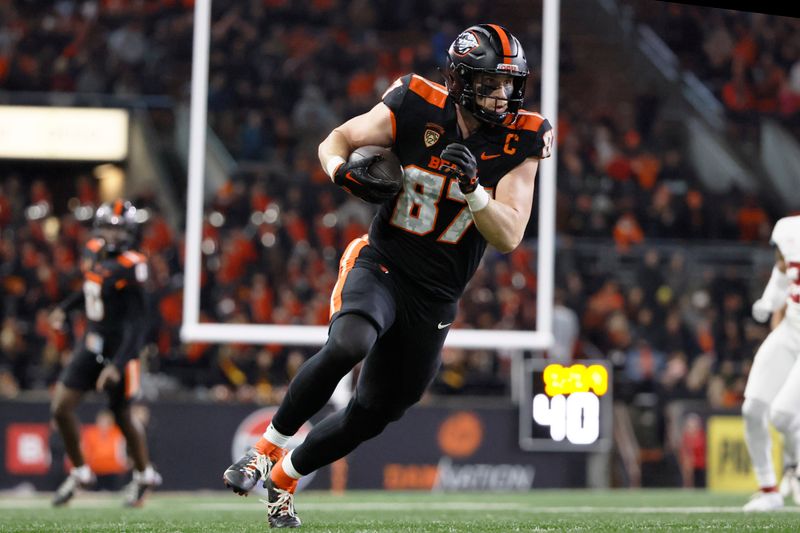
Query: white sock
pixel 759 443
pixel 276 438
pixel 82 473
pixel 145 475
pixel 288 467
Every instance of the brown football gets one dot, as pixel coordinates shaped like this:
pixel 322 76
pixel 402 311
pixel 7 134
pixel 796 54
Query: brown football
pixel 387 169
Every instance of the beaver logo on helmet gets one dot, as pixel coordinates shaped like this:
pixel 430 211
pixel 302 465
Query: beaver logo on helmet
pixel 465 43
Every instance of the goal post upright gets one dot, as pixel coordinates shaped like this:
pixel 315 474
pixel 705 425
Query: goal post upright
pixel 192 330
pixel 197 152
pixel 551 13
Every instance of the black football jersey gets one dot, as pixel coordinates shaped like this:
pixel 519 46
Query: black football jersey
pixel 112 288
pixel 427 231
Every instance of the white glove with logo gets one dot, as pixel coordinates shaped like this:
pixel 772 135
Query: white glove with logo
pixel 761 311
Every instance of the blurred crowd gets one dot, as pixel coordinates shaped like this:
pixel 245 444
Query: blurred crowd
pixel 270 252
pixel 282 74
pixel 750 61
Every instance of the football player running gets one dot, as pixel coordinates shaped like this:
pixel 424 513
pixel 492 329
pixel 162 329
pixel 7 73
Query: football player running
pixel 772 393
pixel 105 360
pixel 470 155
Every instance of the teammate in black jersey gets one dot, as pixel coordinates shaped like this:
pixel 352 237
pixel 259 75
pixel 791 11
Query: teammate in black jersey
pixel 106 358
pixel 470 155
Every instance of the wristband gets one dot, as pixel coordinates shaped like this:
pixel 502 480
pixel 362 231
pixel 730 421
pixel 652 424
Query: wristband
pixel 477 199
pixel 333 164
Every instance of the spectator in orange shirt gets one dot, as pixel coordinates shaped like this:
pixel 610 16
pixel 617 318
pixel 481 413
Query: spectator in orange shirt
pixel 103 448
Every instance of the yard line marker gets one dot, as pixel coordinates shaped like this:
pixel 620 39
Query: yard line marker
pixel 482 507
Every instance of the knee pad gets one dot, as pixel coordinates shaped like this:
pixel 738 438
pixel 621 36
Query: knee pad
pixel 350 340
pixel 784 422
pixel 754 410
pixel 344 351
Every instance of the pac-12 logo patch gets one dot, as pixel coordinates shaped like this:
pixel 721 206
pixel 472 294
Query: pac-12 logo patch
pixel 465 43
pixel 432 134
pixel 253 427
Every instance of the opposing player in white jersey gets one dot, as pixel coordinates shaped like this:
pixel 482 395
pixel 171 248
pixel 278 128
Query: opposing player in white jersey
pixel 773 387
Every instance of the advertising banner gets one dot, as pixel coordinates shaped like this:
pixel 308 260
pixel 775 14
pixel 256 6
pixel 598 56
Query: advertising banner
pixel 191 443
pixel 729 467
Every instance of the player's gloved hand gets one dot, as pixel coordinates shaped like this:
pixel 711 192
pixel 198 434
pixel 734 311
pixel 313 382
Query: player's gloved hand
pixel 354 176
pixel 108 377
pixel 356 179
pixel 761 311
pixel 466 167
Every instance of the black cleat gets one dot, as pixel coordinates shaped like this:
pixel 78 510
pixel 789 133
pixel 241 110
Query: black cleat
pixel 280 507
pixel 243 475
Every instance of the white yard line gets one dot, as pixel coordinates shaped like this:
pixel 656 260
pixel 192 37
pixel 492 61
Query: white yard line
pixel 482 507
pixel 334 507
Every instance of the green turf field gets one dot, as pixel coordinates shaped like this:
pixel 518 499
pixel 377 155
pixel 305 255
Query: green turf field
pixel 364 512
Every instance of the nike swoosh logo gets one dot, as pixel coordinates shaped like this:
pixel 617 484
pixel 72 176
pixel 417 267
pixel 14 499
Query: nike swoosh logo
pixel 485 157
pixel 349 176
pixel 442 326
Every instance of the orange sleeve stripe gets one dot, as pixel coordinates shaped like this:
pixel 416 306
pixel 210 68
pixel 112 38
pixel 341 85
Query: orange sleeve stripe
pixel 121 283
pixel 528 121
pixel 130 258
pixel 94 245
pixel 504 42
pixel 92 276
pixel 433 93
pixel 118 207
pixel 394 126
pixel 345 266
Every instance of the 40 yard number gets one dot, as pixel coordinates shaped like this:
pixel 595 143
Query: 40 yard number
pixel 575 417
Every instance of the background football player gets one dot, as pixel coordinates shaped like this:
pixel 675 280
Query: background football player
pixel 470 156
pixel 773 387
pixel 114 303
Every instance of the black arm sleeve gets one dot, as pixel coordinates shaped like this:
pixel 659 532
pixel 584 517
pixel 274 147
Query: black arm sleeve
pixel 73 301
pixel 134 329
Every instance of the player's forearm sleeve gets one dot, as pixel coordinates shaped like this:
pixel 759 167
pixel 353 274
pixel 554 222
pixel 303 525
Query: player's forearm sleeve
pixel 777 290
pixel 134 329
pixel 73 301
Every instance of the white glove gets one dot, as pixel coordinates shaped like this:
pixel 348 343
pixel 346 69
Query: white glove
pixel 761 311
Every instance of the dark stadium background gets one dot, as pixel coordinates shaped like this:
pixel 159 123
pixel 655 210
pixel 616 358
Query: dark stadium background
pixel 661 248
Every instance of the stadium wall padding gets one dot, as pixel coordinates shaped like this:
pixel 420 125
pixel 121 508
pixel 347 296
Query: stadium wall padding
pixel 191 443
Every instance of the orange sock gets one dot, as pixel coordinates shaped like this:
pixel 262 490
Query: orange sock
pixel 281 479
pixel 272 451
